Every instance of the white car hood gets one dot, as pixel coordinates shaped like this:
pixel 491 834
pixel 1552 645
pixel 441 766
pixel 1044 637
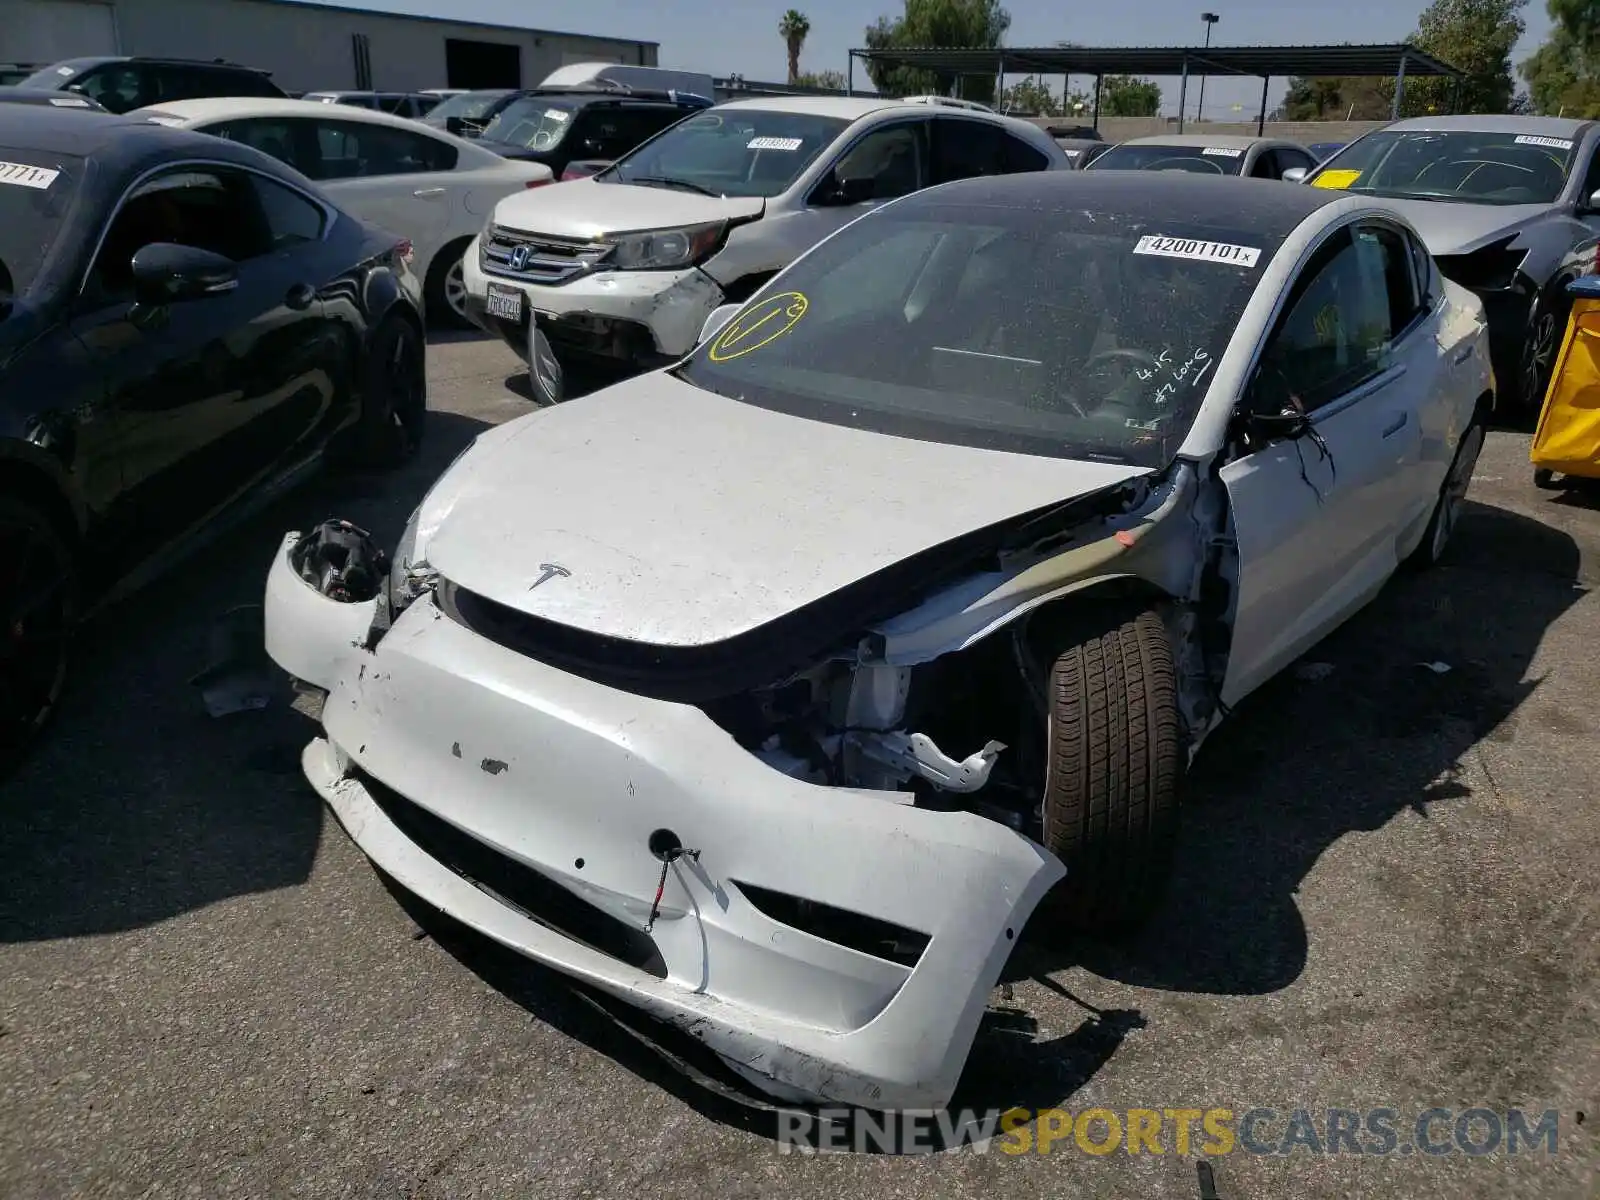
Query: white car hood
pixel 683 518
pixel 583 208
pixel 1462 228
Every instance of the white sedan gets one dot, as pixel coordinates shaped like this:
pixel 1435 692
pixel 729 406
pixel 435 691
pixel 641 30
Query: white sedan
pixel 772 691
pixel 430 187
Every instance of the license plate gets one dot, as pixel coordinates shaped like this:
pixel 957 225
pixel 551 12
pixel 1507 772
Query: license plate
pixel 505 302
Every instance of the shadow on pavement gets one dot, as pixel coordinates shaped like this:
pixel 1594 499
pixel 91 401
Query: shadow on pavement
pixel 137 806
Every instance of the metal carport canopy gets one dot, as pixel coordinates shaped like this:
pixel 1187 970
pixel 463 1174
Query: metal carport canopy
pixel 1397 59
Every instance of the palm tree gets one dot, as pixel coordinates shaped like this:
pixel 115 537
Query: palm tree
pixel 793 28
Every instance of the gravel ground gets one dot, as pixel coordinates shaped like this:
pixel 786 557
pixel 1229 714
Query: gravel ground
pixel 1386 899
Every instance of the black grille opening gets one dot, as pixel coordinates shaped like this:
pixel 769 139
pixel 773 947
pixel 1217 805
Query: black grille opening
pixel 535 896
pixel 866 935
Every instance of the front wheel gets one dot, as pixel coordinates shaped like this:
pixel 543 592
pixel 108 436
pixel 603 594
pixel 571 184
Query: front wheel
pixel 393 397
pixel 1546 328
pixel 40 605
pixel 1114 771
pixel 445 289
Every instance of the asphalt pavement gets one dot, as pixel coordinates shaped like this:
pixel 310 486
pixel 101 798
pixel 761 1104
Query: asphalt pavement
pixel 1386 898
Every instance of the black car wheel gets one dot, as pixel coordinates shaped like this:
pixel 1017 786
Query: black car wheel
pixel 1539 348
pixel 1115 769
pixel 446 288
pixel 393 396
pixel 40 604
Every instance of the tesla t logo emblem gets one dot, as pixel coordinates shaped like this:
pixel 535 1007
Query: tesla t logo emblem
pixel 519 258
pixel 551 571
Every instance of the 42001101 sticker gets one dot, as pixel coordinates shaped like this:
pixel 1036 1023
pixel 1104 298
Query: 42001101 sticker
pixel 1223 252
pixel 23 175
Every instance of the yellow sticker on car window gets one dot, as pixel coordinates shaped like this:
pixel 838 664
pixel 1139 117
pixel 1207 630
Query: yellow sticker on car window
pixel 1336 179
pixel 759 325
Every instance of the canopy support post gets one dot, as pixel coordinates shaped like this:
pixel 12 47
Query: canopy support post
pixel 1183 92
pixel 1261 121
pixel 850 75
pixel 1399 89
pixel 1098 80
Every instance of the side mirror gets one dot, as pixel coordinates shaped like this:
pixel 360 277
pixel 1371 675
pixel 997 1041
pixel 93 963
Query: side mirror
pixel 1592 201
pixel 166 273
pixel 1295 175
pixel 837 193
pixel 1288 423
pixel 719 317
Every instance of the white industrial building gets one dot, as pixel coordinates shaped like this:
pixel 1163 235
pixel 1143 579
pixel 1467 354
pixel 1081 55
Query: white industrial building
pixel 306 46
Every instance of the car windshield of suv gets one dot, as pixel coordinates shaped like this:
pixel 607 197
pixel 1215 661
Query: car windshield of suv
pixel 1202 160
pixel 1476 168
pixel 730 152
pixel 469 106
pixel 534 122
pixel 36 189
pixel 55 75
pixel 1069 333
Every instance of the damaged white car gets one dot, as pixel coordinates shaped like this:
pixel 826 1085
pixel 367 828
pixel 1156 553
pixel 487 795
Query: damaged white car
pixel 771 692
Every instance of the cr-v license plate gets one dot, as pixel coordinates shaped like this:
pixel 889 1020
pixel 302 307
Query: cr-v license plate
pixel 505 302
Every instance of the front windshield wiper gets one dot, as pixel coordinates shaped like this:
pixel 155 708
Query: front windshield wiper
pixel 664 181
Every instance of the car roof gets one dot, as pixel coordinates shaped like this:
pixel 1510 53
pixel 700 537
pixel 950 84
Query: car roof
pixel 1223 141
pixel 116 141
pixel 1561 127
pixel 1274 209
pixel 846 108
pixel 214 107
pixel 83 64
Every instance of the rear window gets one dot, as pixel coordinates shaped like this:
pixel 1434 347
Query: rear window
pixel 1202 160
pixel 1067 333
pixel 36 190
pixel 731 152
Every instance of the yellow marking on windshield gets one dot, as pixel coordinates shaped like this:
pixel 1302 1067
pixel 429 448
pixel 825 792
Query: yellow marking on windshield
pixel 782 312
pixel 1336 179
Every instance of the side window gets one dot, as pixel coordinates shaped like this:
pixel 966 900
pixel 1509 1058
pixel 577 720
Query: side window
pixel 1267 166
pixel 120 87
pixel 1422 268
pixel 1386 252
pixel 1294 158
pixel 625 128
pixel 274 136
pixel 290 218
pixel 1591 182
pixel 356 150
pixel 1335 334
pixel 210 209
pixel 1022 157
pixel 891 156
pixel 963 149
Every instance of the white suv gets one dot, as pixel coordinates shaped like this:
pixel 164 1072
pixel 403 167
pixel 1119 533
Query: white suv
pixel 626 266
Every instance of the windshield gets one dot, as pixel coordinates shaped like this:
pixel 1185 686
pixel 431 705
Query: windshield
pixel 1477 168
pixel 742 152
pixel 469 106
pixel 36 188
pixel 1070 333
pixel 1202 160
pixel 535 122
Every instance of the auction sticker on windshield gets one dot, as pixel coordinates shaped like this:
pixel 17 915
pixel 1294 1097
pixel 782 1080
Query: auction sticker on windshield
pixel 22 175
pixel 773 143
pixel 1529 139
pixel 1223 252
pixel 1223 152
pixel 759 325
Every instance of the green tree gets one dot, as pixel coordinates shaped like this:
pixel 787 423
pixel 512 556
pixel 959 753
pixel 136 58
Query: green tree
pixel 1129 96
pixel 1564 74
pixel 833 81
pixel 794 27
pixel 943 23
pixel 1033 95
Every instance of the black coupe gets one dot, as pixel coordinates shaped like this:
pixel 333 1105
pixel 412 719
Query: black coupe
pixel 184 322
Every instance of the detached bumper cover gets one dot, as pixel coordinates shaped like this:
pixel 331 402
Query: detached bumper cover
pixel 439 738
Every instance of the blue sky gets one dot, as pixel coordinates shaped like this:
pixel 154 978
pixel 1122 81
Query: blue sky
pixel 722 38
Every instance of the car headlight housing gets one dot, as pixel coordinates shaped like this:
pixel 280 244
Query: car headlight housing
pixel 664 249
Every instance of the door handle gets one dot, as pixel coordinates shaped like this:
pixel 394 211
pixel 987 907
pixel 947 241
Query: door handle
pixel 1396 425
pixel 300 296
pixel 1462 355
pixel 425 193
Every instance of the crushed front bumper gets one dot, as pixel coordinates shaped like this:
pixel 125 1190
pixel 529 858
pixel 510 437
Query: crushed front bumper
pixel 523 801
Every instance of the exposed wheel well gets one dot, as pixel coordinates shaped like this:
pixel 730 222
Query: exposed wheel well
pixel 444 254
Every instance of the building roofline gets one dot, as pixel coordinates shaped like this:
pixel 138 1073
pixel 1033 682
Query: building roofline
pixel 433 20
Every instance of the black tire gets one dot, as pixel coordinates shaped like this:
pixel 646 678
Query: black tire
pixel 1115 771
pixel 393 398
pixel 1452 492
pixel 40 611
pixel 444 290
pixel 1547 325
pixel 1545 480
